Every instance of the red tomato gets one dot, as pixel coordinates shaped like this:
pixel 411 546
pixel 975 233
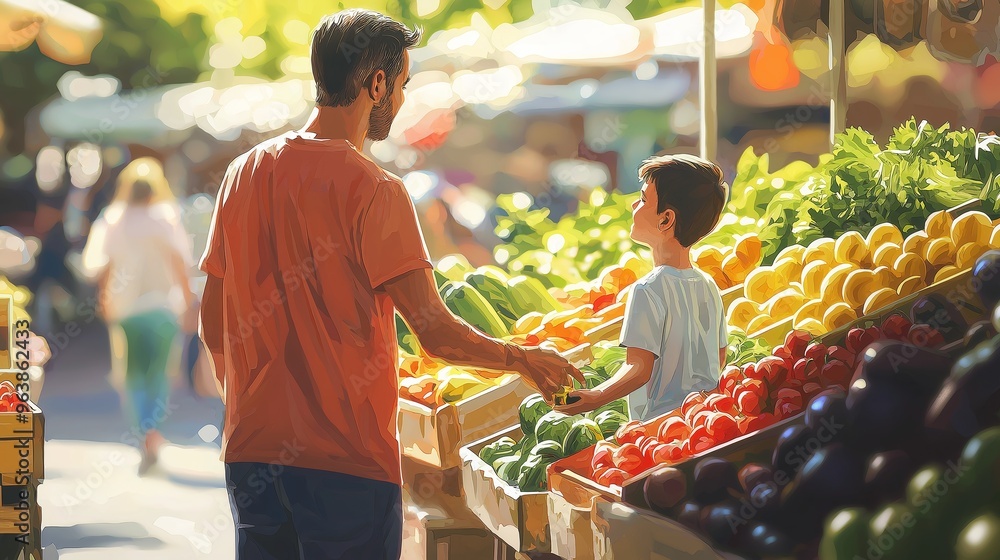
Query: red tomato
pixel 749 402
pixel 721 403
pixel 630 432
pixel 702 418
pixel 691 400
pixel 692 412
pixel 612 477
pixel 602 455
pixel 755 386
pixel 673 429
pixel 727 385
pixel 598 473
pixel 723 427
pixel 698 434
pixel 750 372
pixel 703 444
pixel 896 327
pixel 627 457
pixel 662 453
pixel 647 448
pixel 4 406
pixel 762 421
pixel 744 423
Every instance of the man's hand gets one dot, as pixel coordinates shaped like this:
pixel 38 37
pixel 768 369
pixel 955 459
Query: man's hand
pixel 582 400
pixel 548 372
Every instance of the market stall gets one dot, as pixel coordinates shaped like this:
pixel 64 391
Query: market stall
pixel 809 285
pixel 22 427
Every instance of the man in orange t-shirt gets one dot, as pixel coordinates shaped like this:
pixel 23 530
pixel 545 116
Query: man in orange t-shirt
pixel 312 248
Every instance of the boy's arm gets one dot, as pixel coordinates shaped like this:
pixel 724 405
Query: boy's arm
pixel 632 376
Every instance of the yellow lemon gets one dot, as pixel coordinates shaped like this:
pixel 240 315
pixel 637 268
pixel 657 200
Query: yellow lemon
pixel 879 299
pixel 758 324
pixel 796 252
pixel 858 286
pixel 995 238
pixel 741 312
pixel 784 304
pixel 971 227
pixel 851 248
pixel 909 265
pixel 813 309
pixel 788 270
pixel 911 285
pixel 945 273
pixel 884 278
pixel 968 254
pixel 916 243
pixel 821 250
pixel 886 254
pixel 811 326
pixel 812 278
pixel 939 224
pixel 838 315
pixel 760 284
pixel 832 288
pixel 883 234
pixel 940 252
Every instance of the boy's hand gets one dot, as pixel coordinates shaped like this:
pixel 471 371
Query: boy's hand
pixel 580 401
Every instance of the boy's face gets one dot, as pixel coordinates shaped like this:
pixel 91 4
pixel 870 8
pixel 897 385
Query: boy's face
pixel 647 225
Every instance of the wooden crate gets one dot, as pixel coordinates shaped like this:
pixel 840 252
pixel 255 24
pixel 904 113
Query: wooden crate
pixel 17 438
pixel 443 533
pixel 570 527
pixel 622 532
pixel 517 518
pixel 434 436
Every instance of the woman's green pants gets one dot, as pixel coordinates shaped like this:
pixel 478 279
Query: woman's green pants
pixel 149 337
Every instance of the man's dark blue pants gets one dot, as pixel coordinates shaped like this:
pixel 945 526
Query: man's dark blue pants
pixel 291 513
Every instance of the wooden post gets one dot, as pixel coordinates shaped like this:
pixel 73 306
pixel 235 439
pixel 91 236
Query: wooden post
pixel 838 70
pixel 707 82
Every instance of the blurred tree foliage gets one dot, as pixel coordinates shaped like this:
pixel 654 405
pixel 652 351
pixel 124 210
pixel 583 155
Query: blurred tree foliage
pixel 148 43
pixel 139 48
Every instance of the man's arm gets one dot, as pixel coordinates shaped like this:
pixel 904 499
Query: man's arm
pixel 444 336
pixel 210 330
pixel 631 377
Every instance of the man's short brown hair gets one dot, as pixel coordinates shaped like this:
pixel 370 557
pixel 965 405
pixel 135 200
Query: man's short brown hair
pixel 694 188
pixel 348 47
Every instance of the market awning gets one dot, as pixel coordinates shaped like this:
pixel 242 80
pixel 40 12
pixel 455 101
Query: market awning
pixel 63 31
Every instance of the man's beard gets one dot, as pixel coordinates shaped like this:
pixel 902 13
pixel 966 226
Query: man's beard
pixel 380 120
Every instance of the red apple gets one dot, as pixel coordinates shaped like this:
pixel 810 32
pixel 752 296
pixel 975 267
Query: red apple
pixel 817 352
pixel 797 342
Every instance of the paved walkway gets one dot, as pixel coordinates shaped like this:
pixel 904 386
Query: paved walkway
pixel 94 506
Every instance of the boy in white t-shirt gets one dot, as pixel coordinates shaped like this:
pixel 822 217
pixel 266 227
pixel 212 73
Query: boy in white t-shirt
pixel 675 324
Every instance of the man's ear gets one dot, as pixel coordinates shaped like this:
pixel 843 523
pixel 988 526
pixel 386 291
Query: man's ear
pixel 377 87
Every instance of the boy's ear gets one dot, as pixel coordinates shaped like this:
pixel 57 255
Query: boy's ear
pixel 667 220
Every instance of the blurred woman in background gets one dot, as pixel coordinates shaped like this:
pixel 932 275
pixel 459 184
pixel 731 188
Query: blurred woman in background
pixel 140 255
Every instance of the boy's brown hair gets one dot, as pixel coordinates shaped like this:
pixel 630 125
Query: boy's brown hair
pixel 694 188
